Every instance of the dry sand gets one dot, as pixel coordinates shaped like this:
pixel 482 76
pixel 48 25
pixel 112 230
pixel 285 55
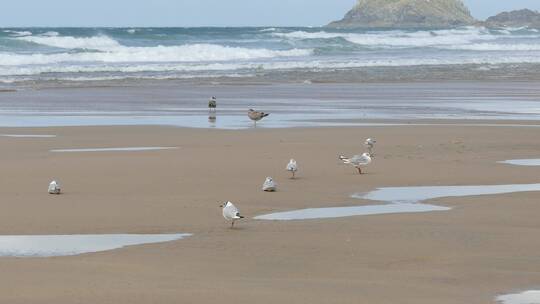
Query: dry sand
pixel 485 246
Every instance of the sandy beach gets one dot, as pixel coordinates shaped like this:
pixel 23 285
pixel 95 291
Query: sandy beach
pixel 483 247
pixel 254 152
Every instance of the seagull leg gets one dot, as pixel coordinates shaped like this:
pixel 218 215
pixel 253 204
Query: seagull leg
pixel 359 170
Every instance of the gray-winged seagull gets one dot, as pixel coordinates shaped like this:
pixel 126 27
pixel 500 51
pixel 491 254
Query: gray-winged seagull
pixel 358 161
pixel 231 213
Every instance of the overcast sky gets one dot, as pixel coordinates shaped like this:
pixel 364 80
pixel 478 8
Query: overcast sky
pixel 200 12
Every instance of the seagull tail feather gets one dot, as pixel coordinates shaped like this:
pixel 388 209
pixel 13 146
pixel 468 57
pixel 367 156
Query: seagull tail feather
pixel 345 160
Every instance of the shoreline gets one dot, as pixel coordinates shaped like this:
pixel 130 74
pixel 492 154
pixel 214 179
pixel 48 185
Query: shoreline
pixel 452 73
pixel 289 105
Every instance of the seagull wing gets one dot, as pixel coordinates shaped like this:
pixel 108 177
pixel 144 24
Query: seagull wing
pixel 232 212
pixel 364 160
pixel 360 160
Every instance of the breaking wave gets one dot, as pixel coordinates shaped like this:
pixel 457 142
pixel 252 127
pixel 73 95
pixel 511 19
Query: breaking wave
pixel 108 50
pixel 157 53
pixel 90 43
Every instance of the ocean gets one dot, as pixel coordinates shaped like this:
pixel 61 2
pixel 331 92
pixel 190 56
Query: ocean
pixel 33 55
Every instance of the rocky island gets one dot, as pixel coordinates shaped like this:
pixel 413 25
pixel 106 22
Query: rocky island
pixel 406 14
pixel 519 18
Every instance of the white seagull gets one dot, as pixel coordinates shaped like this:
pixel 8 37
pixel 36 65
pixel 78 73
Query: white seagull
pixel 269 185
pixel 256 115
pixel 358 161
pixel 231 213
pixel 370 144
pixel 54 188
pixel 292 167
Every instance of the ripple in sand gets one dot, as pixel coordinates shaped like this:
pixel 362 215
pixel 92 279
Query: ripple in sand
pixel 399 200
pixel 66 245
pixel 522 162
pixel 526 297
pixel 27 136
pixel 126 149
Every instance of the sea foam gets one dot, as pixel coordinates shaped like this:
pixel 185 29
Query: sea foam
pixel 129 53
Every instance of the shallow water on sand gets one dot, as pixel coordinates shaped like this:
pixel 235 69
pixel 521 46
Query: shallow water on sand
pixel 65 245
pixel 335 212
pixel 399 200
pixel 27 136
pixel 522 162
pixel 289 105
pixel 526 297
pixel 128 149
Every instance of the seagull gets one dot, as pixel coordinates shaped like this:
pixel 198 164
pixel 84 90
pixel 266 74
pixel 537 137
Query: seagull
pixel 231 213
pixel 54 188
pixel 269 185
pixel 370 143
pixel 212 104
pixel 357 161
pixel 256 115
pixel 292 167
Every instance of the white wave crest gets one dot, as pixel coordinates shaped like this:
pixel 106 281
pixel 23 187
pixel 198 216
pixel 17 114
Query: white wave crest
pixel 123 54
pixel 68 42
pixel 267 30
pixel 129 69
pixel 18 33
pixel 51 34
pixel 496 47
pixel 401 38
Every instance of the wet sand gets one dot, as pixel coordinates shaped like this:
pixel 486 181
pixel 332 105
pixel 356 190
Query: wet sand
pixel 290 104
pixel 484 246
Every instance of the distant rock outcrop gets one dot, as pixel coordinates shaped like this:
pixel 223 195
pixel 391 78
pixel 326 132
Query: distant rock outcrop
pixel 524 17
pixel 406 14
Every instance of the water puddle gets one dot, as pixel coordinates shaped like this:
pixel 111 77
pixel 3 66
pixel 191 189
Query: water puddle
pixel 522 162
pixel 227 122
pixel 132 149
pixel 526 297
pixel 335 212
pixel 399 200
pixel 419 194
pixel 27 136
pixel 66 245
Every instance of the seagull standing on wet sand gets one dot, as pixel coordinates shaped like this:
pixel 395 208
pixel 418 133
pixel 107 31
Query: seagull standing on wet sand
pixel 269 185
pixel 54 188
pixel 212 104
pixel 358 161
pixel 292 167
pixel 256 115
pixel 370 143
pixel 231 213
